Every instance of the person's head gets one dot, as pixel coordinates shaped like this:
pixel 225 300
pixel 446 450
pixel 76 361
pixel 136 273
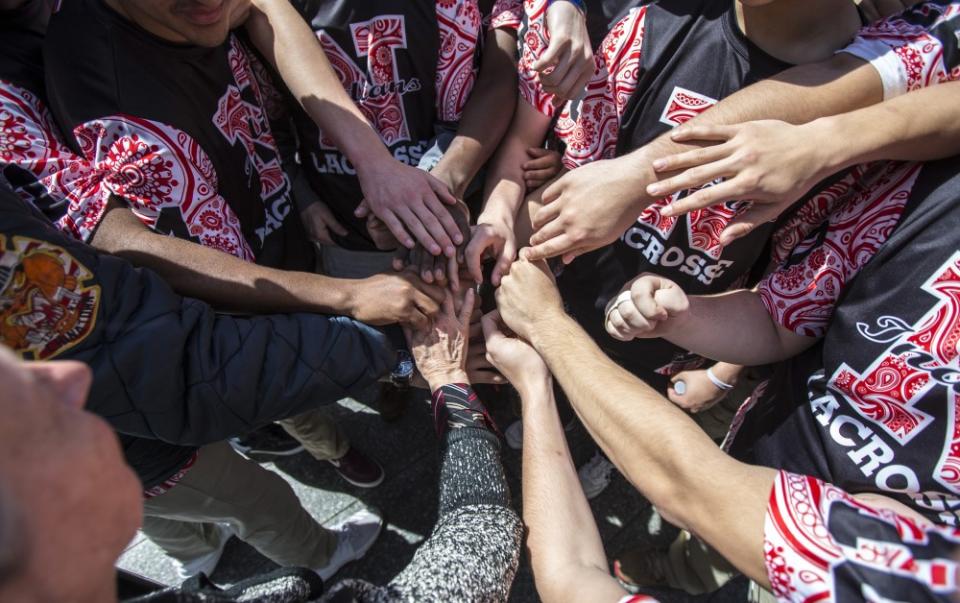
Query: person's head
pixel 68 501
pixel 197 22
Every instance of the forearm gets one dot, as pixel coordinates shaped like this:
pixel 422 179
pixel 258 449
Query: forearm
pixel 505 186
pixel 661 451
pixel 487 114
pixel 922 125
pixel 219 278
pixel 565 547
pixel 798 95
pixel 734 328
pixel 287 41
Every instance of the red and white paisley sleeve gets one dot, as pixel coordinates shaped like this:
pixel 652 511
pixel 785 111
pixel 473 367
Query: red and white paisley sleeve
pixel 156 167
pixel 912 50
pixel 533 40
pixel 864 208
pixel 506 14
pixel 460 25
pixel 822 544
pixel 590 126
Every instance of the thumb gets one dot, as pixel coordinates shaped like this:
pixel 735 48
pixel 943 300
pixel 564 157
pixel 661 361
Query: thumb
pixel 331 220
pixel 672 299
pixel 363 209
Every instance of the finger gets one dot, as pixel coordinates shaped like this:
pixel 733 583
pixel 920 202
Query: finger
pixel 694 177
pixel 437 294
pixel 672 299
pixel 632 316
pixel 616 327
pixel 674 397
pixel 569 256
pixel 467 309
pixel 441 190
pixel 546 214
pixel 331 221
pixel 549 249
pixel 401 258
pixel 444 214
pixel 546 161
pixel 363 209
pixel 643 297
pixel 552 192
pixel 549 59
pixel 743 224
pixel 503 264
pixel 538 152
pixel 585 76
pixel 707 132
pixel 538 175
pixel 703 198
pixel 688 159
pixel 433 224
pixel 474 256
pixel 448 305
pixel 439 271
pixel 397 229
pixel 491 329
pixel 453 273
pixel 412 222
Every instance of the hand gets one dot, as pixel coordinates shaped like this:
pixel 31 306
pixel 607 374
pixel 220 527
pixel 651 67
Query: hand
pixel 319 221
pixel 402 298
pixel 440 348
pixel 700 393
pixel 409 200
pixel 771 163
pixel 647 307
pixel 874 10
pixel 439 269
pixel 479 367
pixel 381 236
pixel 567 64
pixel 513 357
pixel 491 238
pixel 543 166
pixel 588 208
pixel 528 298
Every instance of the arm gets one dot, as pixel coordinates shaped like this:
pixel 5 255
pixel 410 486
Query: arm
pixel 572 223
pixel 733 327
pixel 402 196
pixel 662 452
pixel 777 163
pixel 569 563
pixel 486 116
pixel 494 232
pixel 227 281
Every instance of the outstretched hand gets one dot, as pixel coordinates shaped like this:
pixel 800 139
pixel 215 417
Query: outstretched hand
pixel 439 269
pixel 440 348
pixel 412 204
pixel 528 298
pixel 513 357
pixel 770 163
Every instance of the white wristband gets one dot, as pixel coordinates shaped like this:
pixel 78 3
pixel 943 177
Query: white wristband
pixel 716 381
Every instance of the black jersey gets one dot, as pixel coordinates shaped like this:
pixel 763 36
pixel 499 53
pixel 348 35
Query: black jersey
pixel 874 406
pixel 658 66
pixel 180 132
pixel 409 66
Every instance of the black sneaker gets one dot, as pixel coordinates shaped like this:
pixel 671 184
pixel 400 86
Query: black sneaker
pixel 266 443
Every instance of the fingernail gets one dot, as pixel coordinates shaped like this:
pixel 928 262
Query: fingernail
pixel 458 238
pixel 653 190
pixel 449 251
pixel 659 164
pixel 434 250
pixel 666 212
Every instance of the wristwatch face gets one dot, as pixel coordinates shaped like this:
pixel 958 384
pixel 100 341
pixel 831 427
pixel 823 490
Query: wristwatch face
pixel 403 371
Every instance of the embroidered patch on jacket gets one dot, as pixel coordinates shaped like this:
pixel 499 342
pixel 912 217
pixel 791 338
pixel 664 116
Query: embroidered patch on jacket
pixel 47 304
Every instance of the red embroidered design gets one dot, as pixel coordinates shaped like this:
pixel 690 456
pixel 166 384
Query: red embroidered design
pixel 460 27
pixel 863 209
pixel 590 126
pixel 684 105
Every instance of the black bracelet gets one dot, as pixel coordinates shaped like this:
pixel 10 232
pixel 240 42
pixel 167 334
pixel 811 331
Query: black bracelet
pixel 580 4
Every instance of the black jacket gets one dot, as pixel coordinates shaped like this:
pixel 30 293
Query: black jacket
pixel 168 368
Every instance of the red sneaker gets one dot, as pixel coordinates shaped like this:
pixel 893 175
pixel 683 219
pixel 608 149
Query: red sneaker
pixel 358 469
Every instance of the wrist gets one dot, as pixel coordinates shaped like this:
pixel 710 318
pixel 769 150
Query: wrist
pixel 830 147
pixel 535 388
pixel 437 379
pixel 496 217
pixel 549 323
pixel 371 159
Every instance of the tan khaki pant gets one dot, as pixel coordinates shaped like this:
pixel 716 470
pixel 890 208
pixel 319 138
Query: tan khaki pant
pixel 259 506
pixel 319 434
